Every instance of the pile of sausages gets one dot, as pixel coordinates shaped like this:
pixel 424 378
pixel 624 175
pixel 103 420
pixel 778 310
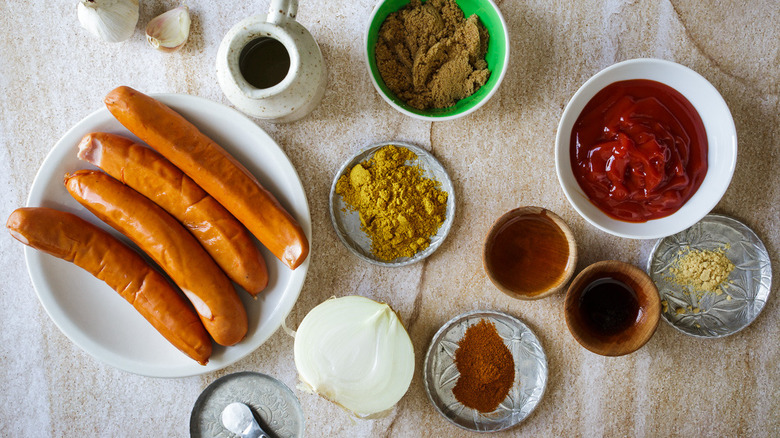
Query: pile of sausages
pixel 188 205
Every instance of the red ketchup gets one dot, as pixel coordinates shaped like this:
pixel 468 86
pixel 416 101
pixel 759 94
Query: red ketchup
pixel 639 150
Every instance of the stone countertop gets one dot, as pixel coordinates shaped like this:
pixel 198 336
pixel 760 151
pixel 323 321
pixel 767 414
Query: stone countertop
pixel 52 74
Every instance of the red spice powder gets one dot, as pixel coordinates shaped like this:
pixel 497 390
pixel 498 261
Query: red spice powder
pixel 486 366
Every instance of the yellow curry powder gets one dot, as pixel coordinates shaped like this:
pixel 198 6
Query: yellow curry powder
pixel 399 208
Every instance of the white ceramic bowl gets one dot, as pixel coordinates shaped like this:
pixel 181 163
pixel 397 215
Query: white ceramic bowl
pixel 721 139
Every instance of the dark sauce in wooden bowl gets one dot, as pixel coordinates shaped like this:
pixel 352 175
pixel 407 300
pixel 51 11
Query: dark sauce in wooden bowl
pixel 608 306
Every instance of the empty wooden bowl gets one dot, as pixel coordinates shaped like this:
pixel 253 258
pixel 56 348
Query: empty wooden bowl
pixel 529 253
pixel 612 308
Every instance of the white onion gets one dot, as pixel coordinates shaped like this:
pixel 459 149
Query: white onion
pixel 356 353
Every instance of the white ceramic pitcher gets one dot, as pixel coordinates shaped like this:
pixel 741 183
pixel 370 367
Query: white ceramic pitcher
pixel 299 92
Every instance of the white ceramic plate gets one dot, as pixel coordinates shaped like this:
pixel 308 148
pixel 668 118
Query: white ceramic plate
pixel 721 140
pixel 100 321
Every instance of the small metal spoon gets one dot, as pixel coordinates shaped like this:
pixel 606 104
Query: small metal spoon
pixel 238 418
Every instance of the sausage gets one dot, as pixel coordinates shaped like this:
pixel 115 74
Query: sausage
pixel 150 174
pixel 212 168
pixel 172 247
pixel 67 236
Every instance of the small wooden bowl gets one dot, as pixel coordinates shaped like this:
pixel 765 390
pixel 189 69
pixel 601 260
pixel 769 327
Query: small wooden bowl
pixel 637 333
pixel 529 253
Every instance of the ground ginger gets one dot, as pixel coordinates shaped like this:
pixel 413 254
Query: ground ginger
pixel 704 270
pixel 399 208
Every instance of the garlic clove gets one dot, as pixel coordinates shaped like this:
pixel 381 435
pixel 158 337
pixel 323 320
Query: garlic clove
pixel 110 20
pixel 169 31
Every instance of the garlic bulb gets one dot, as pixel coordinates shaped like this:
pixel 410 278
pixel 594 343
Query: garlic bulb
pixel 169 31
pixel 110 20
pixel 356 353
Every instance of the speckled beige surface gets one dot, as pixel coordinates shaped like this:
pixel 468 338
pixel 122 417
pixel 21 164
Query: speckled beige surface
pixel 52 75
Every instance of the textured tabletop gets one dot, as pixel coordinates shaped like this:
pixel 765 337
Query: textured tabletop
pixel 53 74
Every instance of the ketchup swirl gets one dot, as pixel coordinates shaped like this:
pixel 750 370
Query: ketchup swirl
pixel 639 150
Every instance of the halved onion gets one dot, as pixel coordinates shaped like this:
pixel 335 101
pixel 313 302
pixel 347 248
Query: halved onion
pixel 356 353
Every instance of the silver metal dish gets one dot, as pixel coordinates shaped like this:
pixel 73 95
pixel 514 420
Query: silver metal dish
pixel 748 285
pixel 347 222
pixel 273 403
pixel 440 372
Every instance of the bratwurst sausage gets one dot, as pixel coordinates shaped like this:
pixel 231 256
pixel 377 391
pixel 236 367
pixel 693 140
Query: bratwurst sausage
pixel 67 236
pixel 172 247
pixel 150 174
pixel 212 168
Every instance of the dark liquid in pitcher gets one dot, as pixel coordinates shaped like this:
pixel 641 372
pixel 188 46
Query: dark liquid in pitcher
pixel 608 306
pixel 264 62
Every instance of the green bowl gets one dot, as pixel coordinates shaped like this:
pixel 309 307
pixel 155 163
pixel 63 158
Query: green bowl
pixel 497 58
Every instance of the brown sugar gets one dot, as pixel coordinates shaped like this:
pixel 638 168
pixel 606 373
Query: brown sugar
pixel 430 56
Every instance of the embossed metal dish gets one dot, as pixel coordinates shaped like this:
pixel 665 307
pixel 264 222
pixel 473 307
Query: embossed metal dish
pixel 440 372
pixel 707 314
pixel 347 222
pixel 275 406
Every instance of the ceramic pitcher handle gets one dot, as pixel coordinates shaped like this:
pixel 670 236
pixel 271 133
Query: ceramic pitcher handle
pixel 281 10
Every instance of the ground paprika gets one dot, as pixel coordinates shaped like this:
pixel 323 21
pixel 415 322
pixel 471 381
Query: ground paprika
pixel 486 366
